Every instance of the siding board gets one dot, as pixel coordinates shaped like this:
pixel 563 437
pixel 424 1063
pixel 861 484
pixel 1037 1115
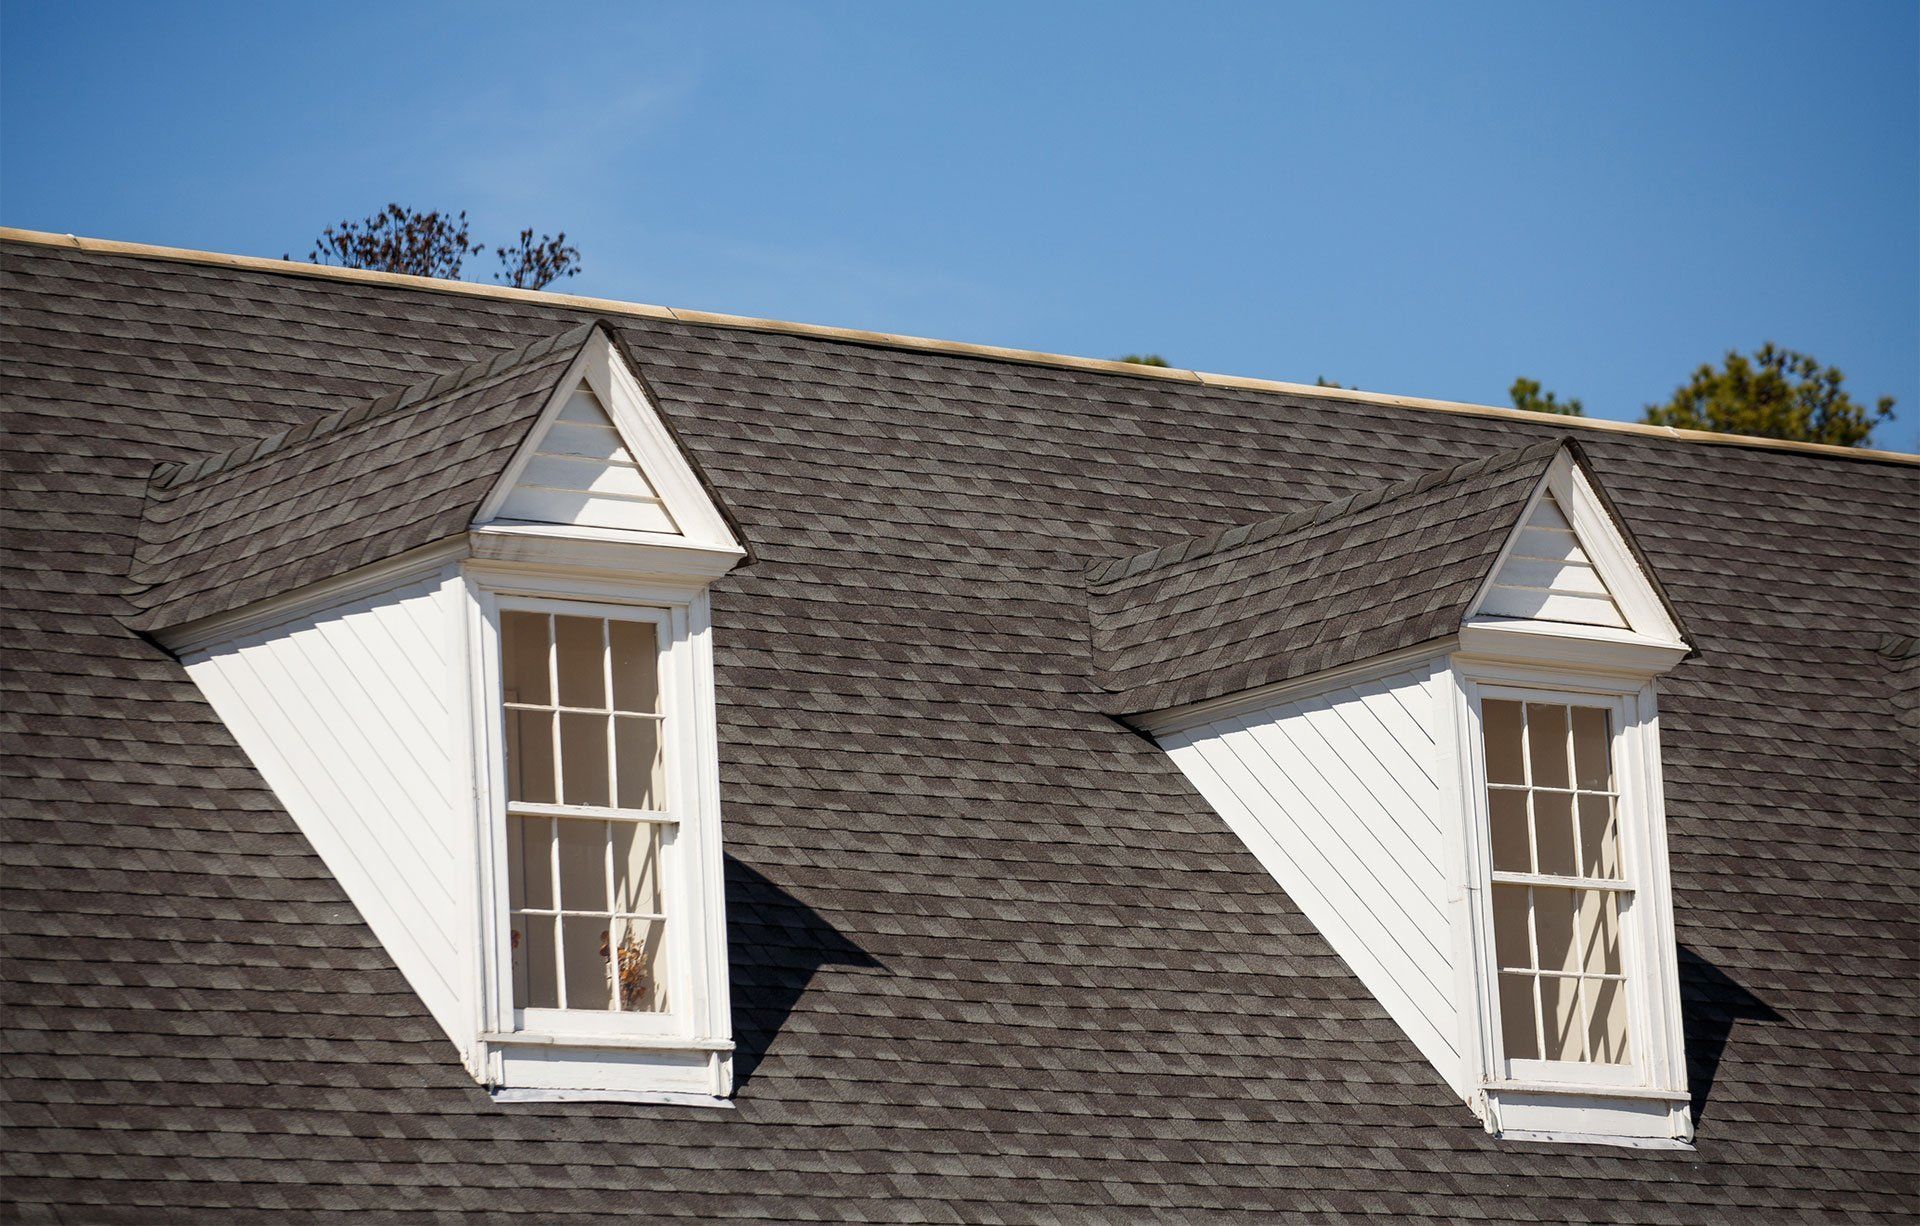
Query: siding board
pixel 344 713
pixel 581 473
pixel 1337 795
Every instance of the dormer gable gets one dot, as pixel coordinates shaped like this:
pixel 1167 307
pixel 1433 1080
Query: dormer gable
pixel 1569 563
pixel 601 462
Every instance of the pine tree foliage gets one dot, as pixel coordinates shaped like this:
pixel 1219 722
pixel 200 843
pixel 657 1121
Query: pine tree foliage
pixel 1527 394
pixel 1776 393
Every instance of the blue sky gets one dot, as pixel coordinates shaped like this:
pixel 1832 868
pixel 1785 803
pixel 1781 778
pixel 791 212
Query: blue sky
pixel 1415 198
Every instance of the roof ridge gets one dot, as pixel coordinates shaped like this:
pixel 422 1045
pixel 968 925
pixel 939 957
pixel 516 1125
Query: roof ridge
pixel 1219 540
pixel 1031 357
pixel 176 475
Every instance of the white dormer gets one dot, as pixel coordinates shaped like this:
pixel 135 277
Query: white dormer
pixel 502 742
pixel 1475 823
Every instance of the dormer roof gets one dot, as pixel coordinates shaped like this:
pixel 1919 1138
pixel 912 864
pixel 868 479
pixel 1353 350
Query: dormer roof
pixel 1366 576
pixel 377 479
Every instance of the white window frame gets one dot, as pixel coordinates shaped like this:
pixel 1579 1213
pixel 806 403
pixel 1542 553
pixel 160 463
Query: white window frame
pixel 608 1052
pixel 679 891
pixel 1645 1101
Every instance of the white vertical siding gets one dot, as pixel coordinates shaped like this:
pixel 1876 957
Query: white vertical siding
pixel 582 473
pixel 1547 575
pixel 1338 796
pixel 346 714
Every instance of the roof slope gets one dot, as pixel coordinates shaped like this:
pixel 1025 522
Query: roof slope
pixel 1267 602
pixel 341 491
pixel 993 958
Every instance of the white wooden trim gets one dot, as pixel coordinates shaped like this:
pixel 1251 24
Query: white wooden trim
pixel 1514 1095
pixel 1231 706
pixel 1557 648
pixel 660 1098
pixel 1612 559
pixel 646 438
pixel 697 1022
pixel 262 615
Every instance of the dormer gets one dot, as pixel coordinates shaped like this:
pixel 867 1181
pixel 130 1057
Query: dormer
pixel 1430 711
pixel 463 633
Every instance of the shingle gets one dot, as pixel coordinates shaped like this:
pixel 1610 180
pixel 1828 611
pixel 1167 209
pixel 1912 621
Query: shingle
pixel 339 491
pixel 1265 602
pixel 993 959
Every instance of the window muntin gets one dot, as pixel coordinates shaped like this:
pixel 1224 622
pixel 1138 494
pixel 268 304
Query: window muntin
pixel 1560 893
pixel 589 838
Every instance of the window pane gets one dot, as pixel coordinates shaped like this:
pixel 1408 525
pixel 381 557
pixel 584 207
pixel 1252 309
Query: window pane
pixel 636 868
pixel 643 965
pixel 582 656
pixel 1510 943
pixel 529 863
pixel 1590 757
pixel 583 866
pixel 1599 838
pixel 1553 926
pixel 1553 832
pixel 523 657
pixel 636 666
pixel 1502 724
pixel 1511 851
pixel 530 756
pixel 1599 932
pixel 583 759
pixel 533 980
pixel 1560 1010
pixel 1607 1020
pixel 1517 1035
pixel 1547 744
pixel 589 971
pixel 637 750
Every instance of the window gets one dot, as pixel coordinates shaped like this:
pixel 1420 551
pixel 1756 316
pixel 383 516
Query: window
pixel 1558 881
pixel 588 830
pixel 1578 1014
pixel 603 893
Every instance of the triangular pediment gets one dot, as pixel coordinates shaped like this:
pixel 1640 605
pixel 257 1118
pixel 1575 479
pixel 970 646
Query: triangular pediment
pixel 1568 562
pixel 602 461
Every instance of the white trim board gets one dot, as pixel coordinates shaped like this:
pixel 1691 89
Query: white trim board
pixel 1598 545
pixel 686 514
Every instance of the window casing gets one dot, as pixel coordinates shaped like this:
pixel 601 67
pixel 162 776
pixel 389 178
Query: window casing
pixel 1570 917
pixel 601 893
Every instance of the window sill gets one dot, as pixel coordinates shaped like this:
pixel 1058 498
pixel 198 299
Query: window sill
pixel 605 1042
pixel 502 1094
pixel 1593 1115
pixel 1584 1090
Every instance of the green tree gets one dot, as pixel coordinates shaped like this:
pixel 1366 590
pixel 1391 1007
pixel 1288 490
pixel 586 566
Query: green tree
pixel 1323 381
pixel 1526 394
pixel 1145 359
pixel 1776 393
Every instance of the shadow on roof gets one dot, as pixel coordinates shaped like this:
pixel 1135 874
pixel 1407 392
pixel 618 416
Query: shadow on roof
pixel 776 945
pixel 1710 1003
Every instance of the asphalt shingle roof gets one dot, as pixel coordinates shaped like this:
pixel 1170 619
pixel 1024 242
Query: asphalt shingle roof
pixel 993 958
pixel 1267 602
pixel 341 491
